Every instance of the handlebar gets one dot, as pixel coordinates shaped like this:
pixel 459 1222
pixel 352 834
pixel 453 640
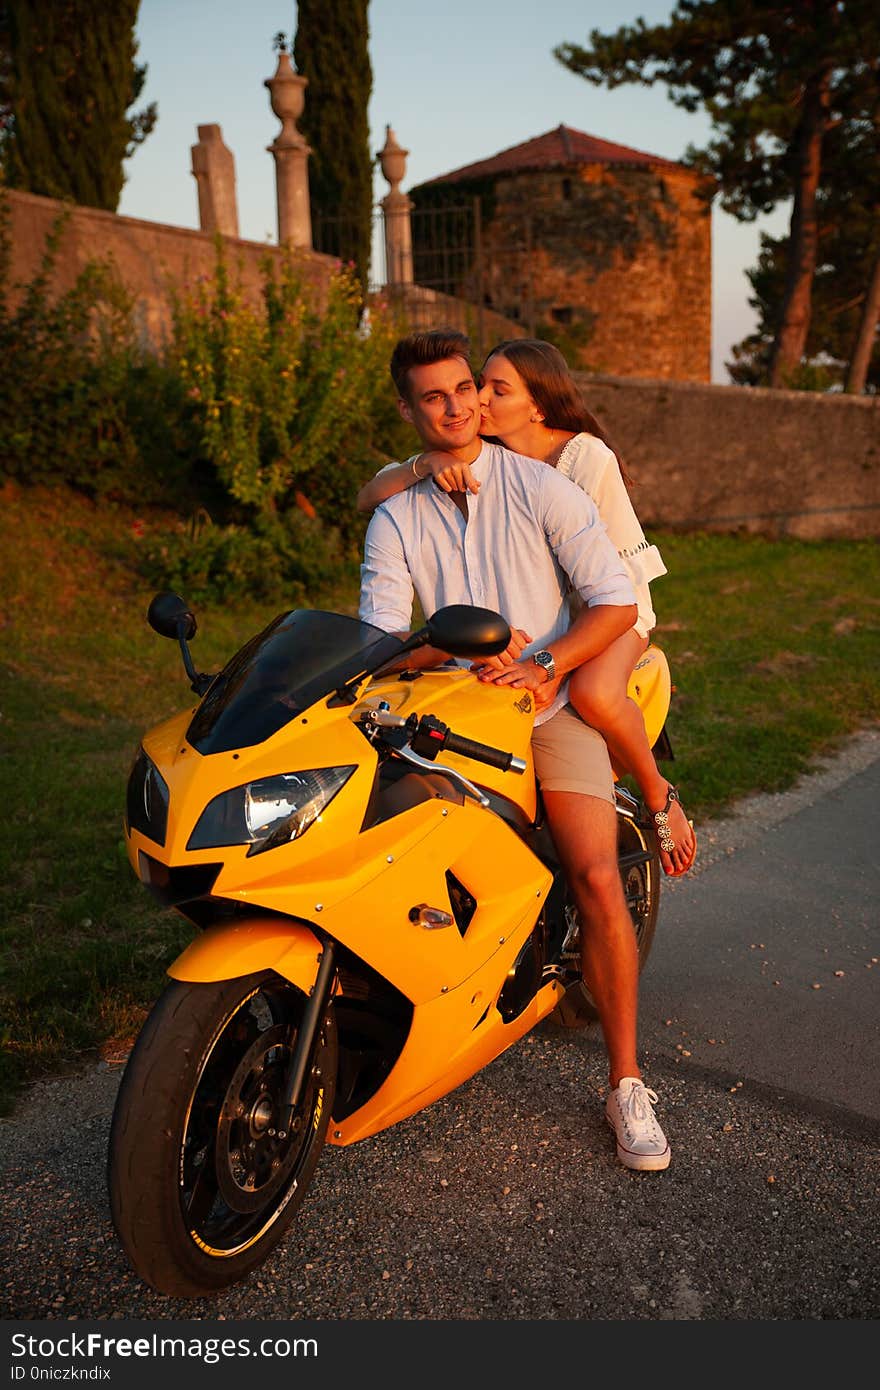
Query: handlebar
pixel 428 737
pixel 482 753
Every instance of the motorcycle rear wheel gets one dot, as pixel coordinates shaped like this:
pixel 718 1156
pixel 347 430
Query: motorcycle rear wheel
pixel 203 1181
pixel 639 864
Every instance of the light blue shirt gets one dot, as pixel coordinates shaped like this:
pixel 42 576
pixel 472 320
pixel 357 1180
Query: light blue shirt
pixel 528 532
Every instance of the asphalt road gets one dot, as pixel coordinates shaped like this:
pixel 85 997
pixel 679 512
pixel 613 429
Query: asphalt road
pixel 760 1033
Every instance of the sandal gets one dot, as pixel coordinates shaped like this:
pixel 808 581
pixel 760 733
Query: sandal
pixel 667 844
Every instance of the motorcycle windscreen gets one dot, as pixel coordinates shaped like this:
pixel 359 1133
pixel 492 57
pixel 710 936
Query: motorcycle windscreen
pixel 299 658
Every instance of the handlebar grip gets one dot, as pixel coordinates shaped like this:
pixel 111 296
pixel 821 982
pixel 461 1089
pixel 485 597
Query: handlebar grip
pixel 483 753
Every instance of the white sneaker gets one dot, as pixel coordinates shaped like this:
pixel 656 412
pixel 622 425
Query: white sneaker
pixel 641 1142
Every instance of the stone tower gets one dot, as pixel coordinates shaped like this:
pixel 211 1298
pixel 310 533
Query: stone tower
pixel 604 249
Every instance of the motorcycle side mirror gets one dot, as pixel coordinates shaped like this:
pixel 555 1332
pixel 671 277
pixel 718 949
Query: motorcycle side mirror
pixel 169 615
pixel 465 631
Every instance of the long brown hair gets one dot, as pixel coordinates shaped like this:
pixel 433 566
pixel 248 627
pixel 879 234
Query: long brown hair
pixel 552 387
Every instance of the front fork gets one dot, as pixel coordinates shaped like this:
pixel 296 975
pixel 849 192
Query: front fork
pixel 303 1052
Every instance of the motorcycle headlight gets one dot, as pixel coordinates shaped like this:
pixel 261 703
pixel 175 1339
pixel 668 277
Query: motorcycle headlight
pixel 146 800
pixel 270 812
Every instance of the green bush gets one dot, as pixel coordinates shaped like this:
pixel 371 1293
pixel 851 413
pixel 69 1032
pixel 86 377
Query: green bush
pixel 274 557
pixel 60 409
pixel 257 424
pixel 82 402
pixel 291 399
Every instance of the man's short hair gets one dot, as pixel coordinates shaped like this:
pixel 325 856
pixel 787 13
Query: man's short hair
pixel 422 350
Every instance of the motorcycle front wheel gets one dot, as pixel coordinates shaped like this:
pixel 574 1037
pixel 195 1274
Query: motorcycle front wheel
pixel 204 1180
pixel 639 865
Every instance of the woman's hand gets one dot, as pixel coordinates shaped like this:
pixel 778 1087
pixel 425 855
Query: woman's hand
pixel 546 693
pixel 519 640
pixel 447 472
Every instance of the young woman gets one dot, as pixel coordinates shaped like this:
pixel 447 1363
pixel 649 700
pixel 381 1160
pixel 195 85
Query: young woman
pixel 530 402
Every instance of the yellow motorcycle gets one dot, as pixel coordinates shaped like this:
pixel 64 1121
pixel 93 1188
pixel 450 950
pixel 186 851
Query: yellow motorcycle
pixel 379 908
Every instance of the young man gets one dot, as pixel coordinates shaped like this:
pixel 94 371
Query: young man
pixel 512 547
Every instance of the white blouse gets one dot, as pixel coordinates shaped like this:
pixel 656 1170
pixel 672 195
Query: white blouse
pixel 594 467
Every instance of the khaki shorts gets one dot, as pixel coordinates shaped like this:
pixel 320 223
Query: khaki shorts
pixel 571 757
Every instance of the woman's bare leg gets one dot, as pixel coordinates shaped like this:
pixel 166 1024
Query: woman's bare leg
pixel 598 693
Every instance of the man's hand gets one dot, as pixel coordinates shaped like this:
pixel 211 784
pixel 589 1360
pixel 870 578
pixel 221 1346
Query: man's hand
pixel 519 640
pixel 525 675
pixel 447 472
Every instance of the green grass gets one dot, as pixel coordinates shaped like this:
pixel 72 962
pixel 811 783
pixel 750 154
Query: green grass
pixel 773 648
pixel 772 645
pixel 83 948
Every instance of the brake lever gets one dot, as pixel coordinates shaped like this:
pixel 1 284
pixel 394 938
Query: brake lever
pixel 381 718
pixel 409 756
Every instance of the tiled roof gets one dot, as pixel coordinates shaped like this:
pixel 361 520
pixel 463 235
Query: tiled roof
pixel 559 148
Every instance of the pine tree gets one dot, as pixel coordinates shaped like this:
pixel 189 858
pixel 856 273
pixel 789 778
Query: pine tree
pixel 775 78
pixel 67 80
pixel 843 320
pixel 838 294
pixel 331 50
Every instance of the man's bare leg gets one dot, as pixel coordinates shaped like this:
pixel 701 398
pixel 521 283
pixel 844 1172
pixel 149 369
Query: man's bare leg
pixel 584 830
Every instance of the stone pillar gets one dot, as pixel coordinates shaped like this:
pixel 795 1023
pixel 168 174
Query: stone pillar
pixel 291 154
pixel 213 167
pixel 396 209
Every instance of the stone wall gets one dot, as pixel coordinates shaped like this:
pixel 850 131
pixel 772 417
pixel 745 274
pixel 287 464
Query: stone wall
pixel 421 307
pixel 151 257
pixel 734 458
pixel 709 457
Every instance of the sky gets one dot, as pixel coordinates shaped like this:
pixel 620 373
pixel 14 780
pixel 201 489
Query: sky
pixel 456 80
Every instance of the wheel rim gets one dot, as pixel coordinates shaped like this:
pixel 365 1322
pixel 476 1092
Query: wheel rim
pixel 238 1169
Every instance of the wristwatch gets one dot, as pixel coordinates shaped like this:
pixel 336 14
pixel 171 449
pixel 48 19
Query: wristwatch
pixel 546 662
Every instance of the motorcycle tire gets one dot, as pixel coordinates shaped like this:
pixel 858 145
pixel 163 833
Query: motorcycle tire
pixel 639 864
pixel 202 1184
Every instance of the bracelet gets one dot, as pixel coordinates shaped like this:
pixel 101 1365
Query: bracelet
pixel 421 476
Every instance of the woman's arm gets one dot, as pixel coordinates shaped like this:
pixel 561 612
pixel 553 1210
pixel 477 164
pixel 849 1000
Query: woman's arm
pixel 447 472
pixel 389 481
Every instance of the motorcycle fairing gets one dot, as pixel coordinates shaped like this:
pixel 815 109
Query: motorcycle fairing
pixel 227 950
pixel 463 1026
pixel 650 687
pixel 337 873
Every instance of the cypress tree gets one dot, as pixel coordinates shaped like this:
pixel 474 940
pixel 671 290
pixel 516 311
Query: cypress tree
pixel 331 50
pixel 67 80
